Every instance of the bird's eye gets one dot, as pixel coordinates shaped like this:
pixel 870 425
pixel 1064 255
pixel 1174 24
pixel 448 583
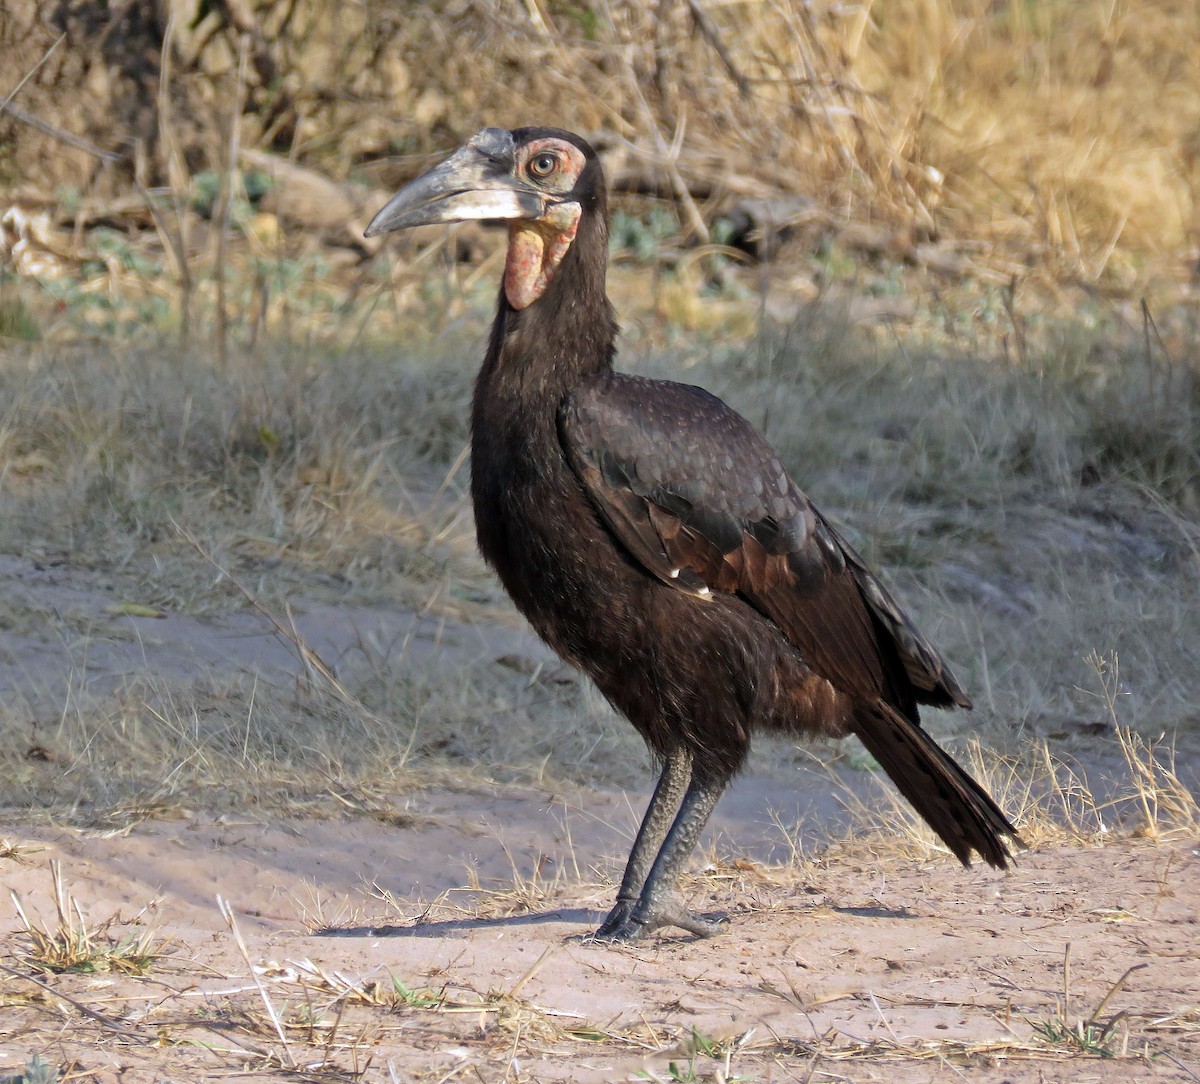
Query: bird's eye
pixel 542 165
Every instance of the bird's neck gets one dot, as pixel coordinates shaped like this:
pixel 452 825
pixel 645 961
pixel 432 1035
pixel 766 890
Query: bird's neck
pixel 564 338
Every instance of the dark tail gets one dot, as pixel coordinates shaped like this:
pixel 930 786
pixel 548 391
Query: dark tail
pixel 956 807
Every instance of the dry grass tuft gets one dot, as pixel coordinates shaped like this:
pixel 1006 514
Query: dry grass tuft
pixel 1088 1034
pixel 70 943
pixel 16 851
pixel 1050 799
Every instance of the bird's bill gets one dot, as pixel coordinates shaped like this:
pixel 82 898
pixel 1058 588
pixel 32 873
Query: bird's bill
pixel 476 182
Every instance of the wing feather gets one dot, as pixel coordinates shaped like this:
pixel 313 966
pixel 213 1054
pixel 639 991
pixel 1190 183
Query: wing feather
pixel 701 501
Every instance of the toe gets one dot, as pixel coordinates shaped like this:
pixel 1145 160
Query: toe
pixel 645 917
pixel 616 919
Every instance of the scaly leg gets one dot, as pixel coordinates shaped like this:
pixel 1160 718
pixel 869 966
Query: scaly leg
pixel 657 906
pixel 664 804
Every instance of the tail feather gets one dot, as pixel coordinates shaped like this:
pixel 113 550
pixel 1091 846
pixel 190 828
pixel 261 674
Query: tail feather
pixel 957 808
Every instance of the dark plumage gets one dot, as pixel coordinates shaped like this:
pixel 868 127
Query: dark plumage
pixel 652 537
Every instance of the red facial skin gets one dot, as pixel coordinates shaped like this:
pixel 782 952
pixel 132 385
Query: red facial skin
pixel 535 249
pixel 536 246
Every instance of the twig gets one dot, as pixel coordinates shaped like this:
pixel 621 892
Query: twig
pixel 237 14
pixel 178 179
pixel 1066 1011
pixel 228 181
pixel 710 34
pixel 1112 992
pixel 172 240
pixel 121 1029
pixel 1172 1058
pixel 29 74
pixel 57 133
pixel 1149 324
pixel 537 966
pixel 226 910
pixel 668 157
pixel 49 129
pixel 883 1019
pixel 1003 978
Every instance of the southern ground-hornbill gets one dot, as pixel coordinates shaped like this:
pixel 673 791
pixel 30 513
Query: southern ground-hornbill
pixel 652 537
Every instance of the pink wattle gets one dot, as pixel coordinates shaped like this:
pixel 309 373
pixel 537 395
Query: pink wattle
pixel 535 249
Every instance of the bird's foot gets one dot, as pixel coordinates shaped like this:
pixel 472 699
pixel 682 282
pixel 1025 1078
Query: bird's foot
pixel 615 920
pixel 629 922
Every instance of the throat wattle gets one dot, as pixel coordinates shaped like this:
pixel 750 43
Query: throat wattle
pixel 535 250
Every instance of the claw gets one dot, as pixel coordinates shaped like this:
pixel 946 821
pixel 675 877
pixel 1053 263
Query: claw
pixel 626 923
pixel 616 919
pixel 644 902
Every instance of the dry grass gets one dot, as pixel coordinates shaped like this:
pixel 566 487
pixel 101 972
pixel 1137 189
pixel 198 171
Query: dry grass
pixel 1024 508
pixel 298 1019
pixel 1132 789
pixel 319 457
pixel 295 1019
pixel 1066 127
pixel 1053 143
pixel 908 115
pixel 1118 786
pixel 69 942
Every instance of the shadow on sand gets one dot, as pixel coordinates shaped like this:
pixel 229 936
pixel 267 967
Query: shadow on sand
pixel 458 926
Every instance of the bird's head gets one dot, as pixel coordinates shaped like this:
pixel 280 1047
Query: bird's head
pixel 542 181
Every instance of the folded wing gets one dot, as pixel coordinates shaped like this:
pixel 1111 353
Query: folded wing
pixel 702 502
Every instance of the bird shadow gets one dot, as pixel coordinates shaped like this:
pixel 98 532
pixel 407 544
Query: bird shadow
pixel 876 912
pixel 458 926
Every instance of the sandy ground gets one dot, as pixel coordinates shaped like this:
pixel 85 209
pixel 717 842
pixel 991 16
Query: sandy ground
pixel 441 942
pixel 855 968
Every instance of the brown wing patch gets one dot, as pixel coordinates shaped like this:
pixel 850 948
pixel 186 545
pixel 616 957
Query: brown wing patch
pixel 701 501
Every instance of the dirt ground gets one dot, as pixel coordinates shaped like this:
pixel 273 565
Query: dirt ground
pixel 853 968
pixel 441 941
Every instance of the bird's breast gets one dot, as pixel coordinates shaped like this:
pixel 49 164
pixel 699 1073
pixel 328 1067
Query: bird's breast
pixel 537 528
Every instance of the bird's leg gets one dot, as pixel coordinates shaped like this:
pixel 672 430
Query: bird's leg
pixel 656 905
pixel 664 804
